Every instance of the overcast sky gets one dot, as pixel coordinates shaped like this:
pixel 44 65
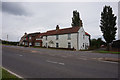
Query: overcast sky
pixel 21 17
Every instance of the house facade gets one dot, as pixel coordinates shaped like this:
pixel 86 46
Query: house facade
pixel 71 38
pixel 29 39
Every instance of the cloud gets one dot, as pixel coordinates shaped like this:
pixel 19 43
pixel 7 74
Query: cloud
pixel 13 8
pixel 43 16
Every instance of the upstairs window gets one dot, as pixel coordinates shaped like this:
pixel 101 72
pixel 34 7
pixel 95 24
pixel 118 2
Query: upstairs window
pixel 83 36
pixel 69 36
pixel 57 37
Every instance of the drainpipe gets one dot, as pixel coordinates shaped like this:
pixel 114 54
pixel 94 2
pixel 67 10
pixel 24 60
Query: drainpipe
pixel 77 41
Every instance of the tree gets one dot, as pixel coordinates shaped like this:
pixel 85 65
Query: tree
pixel 108 22
pixel 96 43
pixel 76 22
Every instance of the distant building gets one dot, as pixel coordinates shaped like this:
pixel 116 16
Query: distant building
pixel 29 39
pixel 21 42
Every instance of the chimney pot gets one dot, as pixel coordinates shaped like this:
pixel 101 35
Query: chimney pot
pixel 57 27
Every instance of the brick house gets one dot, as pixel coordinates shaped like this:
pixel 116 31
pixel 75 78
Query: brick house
pixel 30 39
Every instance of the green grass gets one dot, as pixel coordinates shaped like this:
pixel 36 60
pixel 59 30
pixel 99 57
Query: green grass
pixel 108 52
pixel 8 76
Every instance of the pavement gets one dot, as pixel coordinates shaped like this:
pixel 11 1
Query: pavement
pixel 50 63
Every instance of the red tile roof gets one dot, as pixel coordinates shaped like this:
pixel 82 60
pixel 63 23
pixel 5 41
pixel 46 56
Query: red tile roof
pixel 61 31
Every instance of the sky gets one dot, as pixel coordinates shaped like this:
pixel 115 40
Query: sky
pixel 30 17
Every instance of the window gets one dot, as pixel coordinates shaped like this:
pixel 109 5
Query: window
pixel 22 43
pixel 46 37
pixel 83 36
pixel 30 44
pixel 30 37
pixel 57 37
pixel 57 45
pixel 25 43
pixel 25 39
pixel 69 36
pixel 38 38
pixel 83 44
pixel 69 45
pixel 37 44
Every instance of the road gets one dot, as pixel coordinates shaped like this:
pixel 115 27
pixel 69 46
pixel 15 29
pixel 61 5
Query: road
pixel 49 63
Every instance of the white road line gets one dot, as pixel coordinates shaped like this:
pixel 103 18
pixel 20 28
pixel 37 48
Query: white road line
pixel 20 55
pixel 12 73
pixel 109 62
pixel 61 63
pixel 55 62
pixel 82 58
pixel 64 56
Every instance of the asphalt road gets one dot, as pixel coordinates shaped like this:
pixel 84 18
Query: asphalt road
pixel 49 63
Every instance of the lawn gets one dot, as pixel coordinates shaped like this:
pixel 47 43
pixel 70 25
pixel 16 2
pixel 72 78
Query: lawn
pixel 108 52
pixel 8 76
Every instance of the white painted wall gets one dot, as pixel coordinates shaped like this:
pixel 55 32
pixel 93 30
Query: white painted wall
pixel 63 40
pixel 83 40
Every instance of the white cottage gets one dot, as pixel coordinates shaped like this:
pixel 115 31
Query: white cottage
pixel 73 37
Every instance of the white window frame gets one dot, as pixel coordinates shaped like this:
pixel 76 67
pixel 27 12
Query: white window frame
pixel 69 36
pixel 30 37
pixel 30 44
pixel 37 44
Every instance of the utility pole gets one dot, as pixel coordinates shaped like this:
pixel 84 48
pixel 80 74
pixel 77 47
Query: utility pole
pixel 7 37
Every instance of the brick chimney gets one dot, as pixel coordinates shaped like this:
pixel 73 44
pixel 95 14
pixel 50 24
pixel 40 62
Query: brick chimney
pixel 57 27
pixel 25 33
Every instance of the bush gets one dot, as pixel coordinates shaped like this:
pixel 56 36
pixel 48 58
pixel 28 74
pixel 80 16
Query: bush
pixel 10 43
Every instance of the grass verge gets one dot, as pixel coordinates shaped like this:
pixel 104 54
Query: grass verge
pixel 107 52
pixel 8 76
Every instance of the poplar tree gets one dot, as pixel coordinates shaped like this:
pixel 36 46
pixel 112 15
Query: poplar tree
pixel 76 22
pixel 107 25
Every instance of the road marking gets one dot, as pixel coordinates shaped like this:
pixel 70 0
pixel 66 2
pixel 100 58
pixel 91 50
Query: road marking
pixel 64 56
pixel 61 63
pixel 20 55
pixel 55 62
pixel 82 58
pixel 51 61
pixel 109 62
pixel 12 73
